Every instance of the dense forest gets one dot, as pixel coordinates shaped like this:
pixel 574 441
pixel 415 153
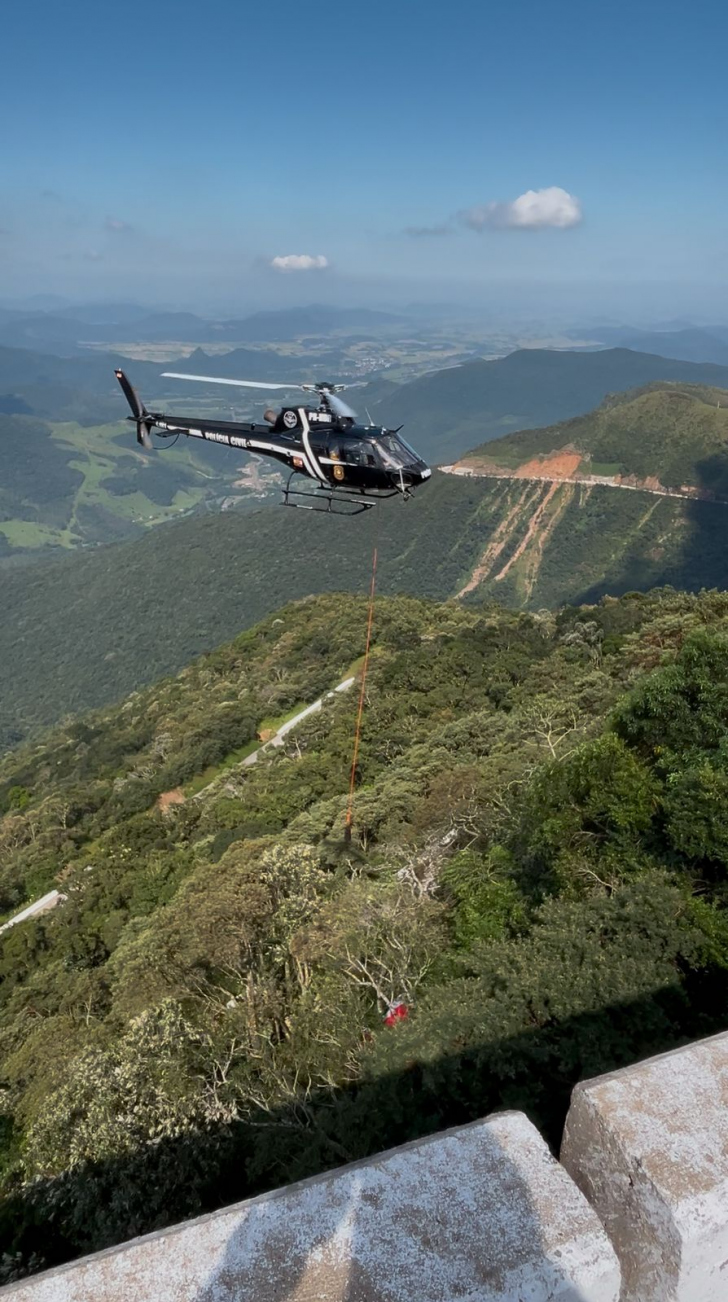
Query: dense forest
pixel 84 630
pixel 536 876
pixel 674 434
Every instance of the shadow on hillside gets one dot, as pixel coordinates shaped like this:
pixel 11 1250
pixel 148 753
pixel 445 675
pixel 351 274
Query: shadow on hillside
pixel 99 1204
pixel 699 560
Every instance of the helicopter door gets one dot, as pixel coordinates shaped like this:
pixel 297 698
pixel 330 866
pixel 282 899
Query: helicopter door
pixel 336 454
pixel 350 457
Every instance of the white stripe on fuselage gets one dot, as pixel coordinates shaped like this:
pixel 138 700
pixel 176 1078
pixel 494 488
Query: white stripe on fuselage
pixel 228 440
pixel 312 464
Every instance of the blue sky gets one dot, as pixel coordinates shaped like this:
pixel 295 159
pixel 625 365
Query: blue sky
pixel 171 151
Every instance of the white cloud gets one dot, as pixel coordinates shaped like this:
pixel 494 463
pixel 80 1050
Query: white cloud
pixel 530 211
pixel 299 262
pixel 115 224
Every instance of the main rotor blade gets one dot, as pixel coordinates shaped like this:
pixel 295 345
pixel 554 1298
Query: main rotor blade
pixel 216 379
pixel 337 405
pixel 333 388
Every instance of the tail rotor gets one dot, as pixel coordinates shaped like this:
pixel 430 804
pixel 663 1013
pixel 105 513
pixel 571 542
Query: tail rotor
pixel 144 422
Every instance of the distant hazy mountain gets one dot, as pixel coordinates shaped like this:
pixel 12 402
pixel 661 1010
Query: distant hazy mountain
pixel 689 344
pixel 291 323
pixel 60 388
pixel 447 411
pixel 42 331
pixel 104 313
pixel 69 335
pixel 81 388
pixel 68 330
pixel 246 364
pixel 84 388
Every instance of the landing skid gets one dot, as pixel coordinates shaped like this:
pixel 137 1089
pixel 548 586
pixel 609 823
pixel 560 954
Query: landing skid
pixel 333 501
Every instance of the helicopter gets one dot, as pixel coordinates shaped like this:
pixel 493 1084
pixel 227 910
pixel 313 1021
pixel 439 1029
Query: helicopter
pixel 353 466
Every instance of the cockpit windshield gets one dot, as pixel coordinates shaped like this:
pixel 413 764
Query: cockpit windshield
pixel 395 452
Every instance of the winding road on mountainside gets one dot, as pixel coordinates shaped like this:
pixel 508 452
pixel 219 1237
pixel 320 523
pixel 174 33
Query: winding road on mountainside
pixel 54 898
pixel 279 737
pixel 591 481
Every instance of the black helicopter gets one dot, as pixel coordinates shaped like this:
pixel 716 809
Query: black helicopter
pixel 354 466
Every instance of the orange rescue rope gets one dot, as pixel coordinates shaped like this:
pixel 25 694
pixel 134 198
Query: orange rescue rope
pixel 362 694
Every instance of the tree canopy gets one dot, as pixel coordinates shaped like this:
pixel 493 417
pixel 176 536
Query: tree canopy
pixel 538 873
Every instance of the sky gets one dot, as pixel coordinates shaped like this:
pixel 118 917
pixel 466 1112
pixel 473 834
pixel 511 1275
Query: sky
pixel 531 156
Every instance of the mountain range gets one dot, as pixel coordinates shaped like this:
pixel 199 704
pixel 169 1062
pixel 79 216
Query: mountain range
pixel 520 841
pixel 686 343
pixel 450 410
pixel 539 518
pixel 96 487
pixel 70 331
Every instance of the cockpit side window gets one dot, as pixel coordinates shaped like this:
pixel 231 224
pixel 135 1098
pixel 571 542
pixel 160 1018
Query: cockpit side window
pixel 395 453
pixel 408 446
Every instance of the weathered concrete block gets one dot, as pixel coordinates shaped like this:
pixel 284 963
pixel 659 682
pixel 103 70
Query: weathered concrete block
pixel 479 1214
pixel 649 1147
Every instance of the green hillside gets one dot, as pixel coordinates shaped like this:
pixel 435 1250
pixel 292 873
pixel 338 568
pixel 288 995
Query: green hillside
pixel 88 628
pixel 65 485
pixel 461 407
pixel 538 868
pixel 556 542
pixel 70 480
pixel 674 433
pixel 84 630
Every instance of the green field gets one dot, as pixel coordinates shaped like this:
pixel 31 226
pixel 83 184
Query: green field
pixel 100 453
pixel 604 468
pixel 71 486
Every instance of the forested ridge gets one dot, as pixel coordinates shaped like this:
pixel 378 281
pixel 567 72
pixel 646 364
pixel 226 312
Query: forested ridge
pixel 537 870
pixel 85 629
pixel 671 433
pixel 462 406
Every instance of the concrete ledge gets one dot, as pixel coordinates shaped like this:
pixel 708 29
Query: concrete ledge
pixel 649 1147
pixel 482 1213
